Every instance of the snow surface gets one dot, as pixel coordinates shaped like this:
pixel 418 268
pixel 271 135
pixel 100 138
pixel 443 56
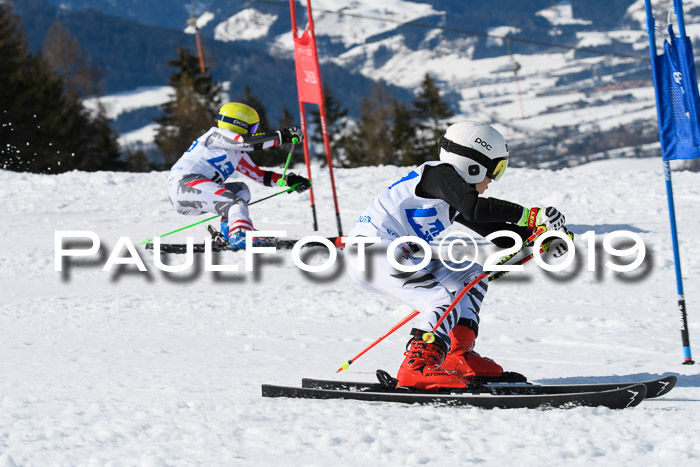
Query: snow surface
pixel 200 22
pixel 360 19
pixel 561 14
pixel 143 135
pixel 247 24
pixel 132 368
pixel 116 104
pixel 660 9
pixel 500 31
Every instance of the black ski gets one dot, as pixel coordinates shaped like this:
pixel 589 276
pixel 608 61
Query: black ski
pixel 621 398
pixel 655 388
pixel 280 243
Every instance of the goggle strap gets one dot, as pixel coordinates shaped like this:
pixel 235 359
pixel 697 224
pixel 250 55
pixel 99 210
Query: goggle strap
pixel 471 153
pixel 235 121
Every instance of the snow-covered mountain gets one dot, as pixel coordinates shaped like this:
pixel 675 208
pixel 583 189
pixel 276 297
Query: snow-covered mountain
pixel 582 89
pixel 598 83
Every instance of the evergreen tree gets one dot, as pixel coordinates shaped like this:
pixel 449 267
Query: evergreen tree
pixel 138 161
pixel 287 119
pixel 44 128
pixel 430 113
pixel 370 143
pixel 104 140
pixel 62 52
pixel 336 121
pixel 254 101
pixel 192 111
pixel 404 136
pixel 12 52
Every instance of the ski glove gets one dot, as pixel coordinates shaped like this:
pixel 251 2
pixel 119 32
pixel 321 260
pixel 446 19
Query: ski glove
pixel 556 246
pixel 288 135
pixel 293 179
pixel 536 217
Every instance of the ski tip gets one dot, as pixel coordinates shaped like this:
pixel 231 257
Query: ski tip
pixel 636 394
pixel 661 386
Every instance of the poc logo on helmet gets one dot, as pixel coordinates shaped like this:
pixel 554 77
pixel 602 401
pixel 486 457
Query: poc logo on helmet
pixel 483 143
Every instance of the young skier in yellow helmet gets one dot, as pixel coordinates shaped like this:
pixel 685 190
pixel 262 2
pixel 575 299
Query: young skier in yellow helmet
pixel 197 182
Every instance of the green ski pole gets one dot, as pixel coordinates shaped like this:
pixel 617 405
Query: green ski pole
pixel 149 240
pixel 288 190
pixel 283 181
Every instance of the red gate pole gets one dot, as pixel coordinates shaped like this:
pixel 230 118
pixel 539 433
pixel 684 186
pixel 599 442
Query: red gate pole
pixel 324 128
pixel 307 161
pixel 302 116
pixel 329 158
pixel 310 90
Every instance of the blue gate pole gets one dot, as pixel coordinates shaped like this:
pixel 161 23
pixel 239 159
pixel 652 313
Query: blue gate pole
pixel 688 359
pixel 685 337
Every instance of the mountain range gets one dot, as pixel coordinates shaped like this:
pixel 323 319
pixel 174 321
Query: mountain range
pixel 565 81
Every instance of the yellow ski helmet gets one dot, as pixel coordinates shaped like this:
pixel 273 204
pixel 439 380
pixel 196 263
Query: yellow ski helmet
pixel 239 118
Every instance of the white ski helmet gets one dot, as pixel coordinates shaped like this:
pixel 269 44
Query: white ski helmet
pixel 476 150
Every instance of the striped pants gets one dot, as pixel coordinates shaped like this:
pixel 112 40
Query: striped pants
pixel 194 194
pixel 429 290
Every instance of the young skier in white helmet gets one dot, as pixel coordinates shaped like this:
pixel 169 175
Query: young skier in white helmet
pixel 423 204
pixel 197 182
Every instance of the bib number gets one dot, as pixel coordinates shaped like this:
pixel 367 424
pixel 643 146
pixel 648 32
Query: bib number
pixel 425 222
pixel 226 169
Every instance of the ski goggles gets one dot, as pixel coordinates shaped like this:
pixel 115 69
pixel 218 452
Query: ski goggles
pixel 495 168
pixel 499 170
pixel 249 127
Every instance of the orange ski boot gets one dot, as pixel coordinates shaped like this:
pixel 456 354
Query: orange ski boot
pixel 462 358
pixel 422 368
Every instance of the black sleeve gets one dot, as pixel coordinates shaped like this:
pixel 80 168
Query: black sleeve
pixel 443 182
pixel 267 178
pixel 264 140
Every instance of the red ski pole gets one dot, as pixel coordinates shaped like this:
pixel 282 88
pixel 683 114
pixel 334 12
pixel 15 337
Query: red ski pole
pixel 346 365
pixel 430 336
